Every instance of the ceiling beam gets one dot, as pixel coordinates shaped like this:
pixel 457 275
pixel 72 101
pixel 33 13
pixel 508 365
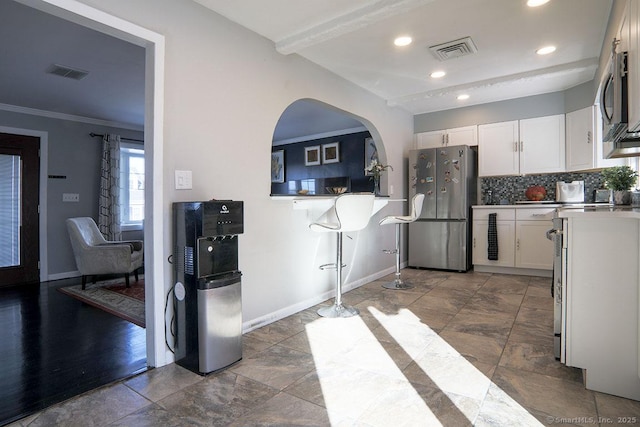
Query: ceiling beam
pixel 519 78
pixel 346 23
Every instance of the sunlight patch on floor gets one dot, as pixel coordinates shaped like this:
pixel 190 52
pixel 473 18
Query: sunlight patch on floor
pixel 391 375
pixel 357 375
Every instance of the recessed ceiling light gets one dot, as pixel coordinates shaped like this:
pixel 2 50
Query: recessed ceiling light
pixel 463 97
pixel 546 50
pixel 438 74
pixel 403 41
pixel 536 3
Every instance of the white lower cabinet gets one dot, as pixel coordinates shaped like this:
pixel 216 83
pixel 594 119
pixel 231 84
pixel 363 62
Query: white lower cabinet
pixel 505 228
pixel 533 249
pixel 522 241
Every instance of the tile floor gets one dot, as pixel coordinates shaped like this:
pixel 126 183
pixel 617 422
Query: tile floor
pixel 458 349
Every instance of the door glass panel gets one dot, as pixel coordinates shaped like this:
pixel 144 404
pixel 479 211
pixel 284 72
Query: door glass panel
pixel 9 210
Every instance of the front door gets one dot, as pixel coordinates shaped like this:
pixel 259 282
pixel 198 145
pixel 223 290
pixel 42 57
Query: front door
pixel 19 196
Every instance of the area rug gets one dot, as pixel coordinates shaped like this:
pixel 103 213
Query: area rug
pixel 113 297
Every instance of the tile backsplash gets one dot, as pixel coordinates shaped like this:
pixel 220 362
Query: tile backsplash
pixel 511 189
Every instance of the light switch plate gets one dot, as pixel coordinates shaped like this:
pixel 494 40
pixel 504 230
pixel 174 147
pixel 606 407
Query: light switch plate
pixel 183 180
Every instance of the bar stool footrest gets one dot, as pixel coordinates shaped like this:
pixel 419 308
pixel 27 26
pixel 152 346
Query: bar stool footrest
pixel 330 266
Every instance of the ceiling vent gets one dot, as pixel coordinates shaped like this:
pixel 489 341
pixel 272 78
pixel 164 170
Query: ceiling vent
pixel 68 72
pixel 454 49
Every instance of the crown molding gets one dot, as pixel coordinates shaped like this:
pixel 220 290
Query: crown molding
pixel 69 117
pixel 319 136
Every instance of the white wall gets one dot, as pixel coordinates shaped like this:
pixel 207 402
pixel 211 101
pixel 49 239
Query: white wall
pixel 73 153
pixel 225 89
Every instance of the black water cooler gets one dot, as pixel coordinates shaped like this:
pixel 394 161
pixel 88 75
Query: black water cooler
pixel 207 293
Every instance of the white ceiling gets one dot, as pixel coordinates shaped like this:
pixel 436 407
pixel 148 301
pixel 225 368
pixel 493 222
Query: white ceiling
pixel 351 38
pixel 31 41
pixel 355 40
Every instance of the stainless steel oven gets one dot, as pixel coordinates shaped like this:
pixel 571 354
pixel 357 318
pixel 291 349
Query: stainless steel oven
pixel 556 235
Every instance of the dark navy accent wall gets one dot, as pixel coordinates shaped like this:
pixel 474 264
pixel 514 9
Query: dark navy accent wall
pixel 348 172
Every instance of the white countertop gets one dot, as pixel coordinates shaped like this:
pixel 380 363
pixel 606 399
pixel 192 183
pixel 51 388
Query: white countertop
pixel 603 212
pixel 519 206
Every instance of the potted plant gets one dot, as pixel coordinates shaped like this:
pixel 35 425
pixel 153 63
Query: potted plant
pixel 375 170
pixel 620 179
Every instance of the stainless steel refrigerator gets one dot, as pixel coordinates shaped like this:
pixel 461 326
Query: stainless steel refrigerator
pixel 441 236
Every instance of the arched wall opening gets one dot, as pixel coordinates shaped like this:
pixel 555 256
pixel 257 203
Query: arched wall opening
pixel 319 149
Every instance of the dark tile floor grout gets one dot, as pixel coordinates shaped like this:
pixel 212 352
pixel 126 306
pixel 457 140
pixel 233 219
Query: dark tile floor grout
pixel 458 349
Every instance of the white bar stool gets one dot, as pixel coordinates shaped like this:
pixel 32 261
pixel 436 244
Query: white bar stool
pixel 351 212
pixel 416 208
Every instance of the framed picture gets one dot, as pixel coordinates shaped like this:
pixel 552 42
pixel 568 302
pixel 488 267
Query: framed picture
pixel 312 155
pixel 331 153
pixel 277 166
pixel 370 153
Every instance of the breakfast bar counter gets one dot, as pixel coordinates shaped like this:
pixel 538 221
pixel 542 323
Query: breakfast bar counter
pixel 317 206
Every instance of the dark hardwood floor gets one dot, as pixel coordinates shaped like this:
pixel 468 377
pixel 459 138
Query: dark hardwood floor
pixel 53 347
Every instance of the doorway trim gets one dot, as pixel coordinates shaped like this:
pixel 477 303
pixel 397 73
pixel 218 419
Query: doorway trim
pixel 154 44
pixel 42 197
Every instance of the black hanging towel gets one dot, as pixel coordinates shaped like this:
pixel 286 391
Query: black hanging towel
pixel 492 238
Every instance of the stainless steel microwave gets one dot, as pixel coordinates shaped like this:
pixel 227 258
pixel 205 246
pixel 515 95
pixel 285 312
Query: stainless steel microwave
pixel 614 105
pixel 613 97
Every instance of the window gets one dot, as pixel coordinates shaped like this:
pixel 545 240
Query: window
pixel 131 186
pixel 10 203
pixel 634 163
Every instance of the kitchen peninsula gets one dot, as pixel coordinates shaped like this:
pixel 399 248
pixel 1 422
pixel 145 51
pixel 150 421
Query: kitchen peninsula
pixel 600 297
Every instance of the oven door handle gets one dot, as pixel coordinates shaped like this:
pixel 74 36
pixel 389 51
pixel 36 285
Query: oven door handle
pixel 552 233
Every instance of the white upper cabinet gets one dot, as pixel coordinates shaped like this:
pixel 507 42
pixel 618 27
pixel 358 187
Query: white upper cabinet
pixel 580 139
pixel 542 145
pixel 467 135
pixel 522 147
pixel 434 139
pixel 584 141
pixel 498 149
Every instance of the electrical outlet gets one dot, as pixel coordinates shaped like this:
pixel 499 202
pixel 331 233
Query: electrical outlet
pixel 70 197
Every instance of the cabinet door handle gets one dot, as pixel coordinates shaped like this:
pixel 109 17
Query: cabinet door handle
pixel 518 244
pixel 521 145
pixel 515 146
pixel 589 137
pixel 474 242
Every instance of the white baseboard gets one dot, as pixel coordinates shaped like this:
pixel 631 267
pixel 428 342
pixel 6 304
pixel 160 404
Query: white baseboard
pixel 513 270
pixel 295 308
pixel 65 275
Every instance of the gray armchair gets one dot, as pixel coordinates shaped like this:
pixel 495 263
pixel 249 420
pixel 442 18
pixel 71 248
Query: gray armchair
pixel 95 255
